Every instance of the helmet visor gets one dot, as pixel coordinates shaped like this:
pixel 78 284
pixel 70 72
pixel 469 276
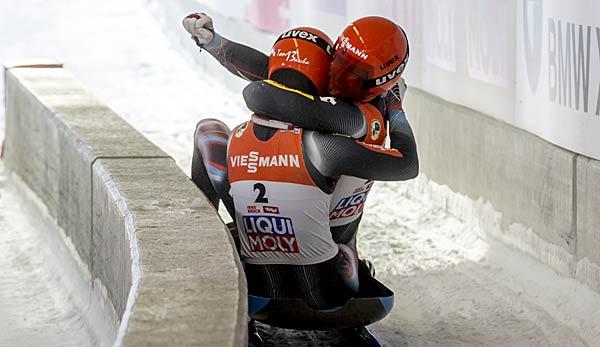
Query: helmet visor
pixel 347 76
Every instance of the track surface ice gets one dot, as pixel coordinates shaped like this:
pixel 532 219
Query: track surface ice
pixel 454 285
pixel 38 303
pixel 276 337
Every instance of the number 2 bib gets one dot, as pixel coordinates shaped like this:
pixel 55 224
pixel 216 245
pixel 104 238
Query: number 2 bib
pixel 282 216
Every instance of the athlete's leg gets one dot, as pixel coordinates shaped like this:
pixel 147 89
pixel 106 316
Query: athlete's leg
pixel 254 339
pixel 268 281
pixel 209 161
pixel 346 263
pixel 320 285
pixel 346 234
pixel 201 179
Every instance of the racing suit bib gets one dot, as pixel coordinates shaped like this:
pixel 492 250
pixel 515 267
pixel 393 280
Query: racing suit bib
pixel 350 194
pixel 282 216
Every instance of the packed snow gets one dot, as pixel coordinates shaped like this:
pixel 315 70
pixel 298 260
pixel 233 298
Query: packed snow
pixel 45 299
pixel 454 284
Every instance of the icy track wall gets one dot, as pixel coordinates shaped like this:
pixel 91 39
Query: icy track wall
pixel 545 199
pixel 532 195
pixel 156 251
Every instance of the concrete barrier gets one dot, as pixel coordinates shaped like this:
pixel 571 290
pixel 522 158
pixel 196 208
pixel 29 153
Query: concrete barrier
pixel 587 198
pixel 156 251
pixel 546 197
pixel 528 180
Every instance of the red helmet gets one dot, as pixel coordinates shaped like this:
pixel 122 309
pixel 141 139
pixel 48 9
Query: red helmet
pixel 370 56
pixel 305 50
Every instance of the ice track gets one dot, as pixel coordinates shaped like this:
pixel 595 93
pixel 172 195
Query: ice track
pixel 454 285
pixel 44 297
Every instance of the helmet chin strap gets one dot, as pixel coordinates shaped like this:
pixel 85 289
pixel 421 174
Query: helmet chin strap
pixel 271 123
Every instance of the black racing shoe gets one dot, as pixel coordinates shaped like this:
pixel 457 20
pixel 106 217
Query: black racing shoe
pixel 370 267
pixel 254 339
pixel 360 336
pixel 367 338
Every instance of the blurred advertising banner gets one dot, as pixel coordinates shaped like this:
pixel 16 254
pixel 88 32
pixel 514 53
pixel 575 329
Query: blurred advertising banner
pixel 558 72
pixel 230 8
pixel 488 41
pixel 439 39
pixel 466 54
pixel 269 15
pixel 328 16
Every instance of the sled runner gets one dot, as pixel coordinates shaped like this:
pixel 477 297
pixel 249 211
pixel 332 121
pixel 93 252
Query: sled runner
pixel 371 304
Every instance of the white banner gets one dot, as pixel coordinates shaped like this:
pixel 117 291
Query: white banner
pixel 439 42
pixel 558 72
pixel 531 63
pixel 468 54
pixel 489 49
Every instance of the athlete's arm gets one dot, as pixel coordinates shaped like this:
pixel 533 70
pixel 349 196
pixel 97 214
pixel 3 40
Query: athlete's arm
pixel 401 134
pixel 240 60
pixel 327 114
pixel 335 155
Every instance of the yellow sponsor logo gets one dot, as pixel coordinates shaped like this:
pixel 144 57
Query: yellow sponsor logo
pixel 375 129
pixel 240 130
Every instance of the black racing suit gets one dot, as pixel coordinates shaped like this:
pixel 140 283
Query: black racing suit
pixel 327 156
pixel 329 115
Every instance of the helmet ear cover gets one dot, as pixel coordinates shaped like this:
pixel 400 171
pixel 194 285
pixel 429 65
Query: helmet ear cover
pixel 373 49
pixel 308 52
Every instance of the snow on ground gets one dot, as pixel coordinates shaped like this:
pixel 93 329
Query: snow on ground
pixel 117 49
pixel 454 285
pixel 44 300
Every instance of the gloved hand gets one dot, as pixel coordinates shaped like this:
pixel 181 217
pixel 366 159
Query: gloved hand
pixel 394 97
pixel 200 26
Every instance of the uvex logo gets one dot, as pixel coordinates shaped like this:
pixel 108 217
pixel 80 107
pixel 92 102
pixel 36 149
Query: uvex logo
pixel 299 34
pixel 389 76
pixel 305 35
pixel 389 62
